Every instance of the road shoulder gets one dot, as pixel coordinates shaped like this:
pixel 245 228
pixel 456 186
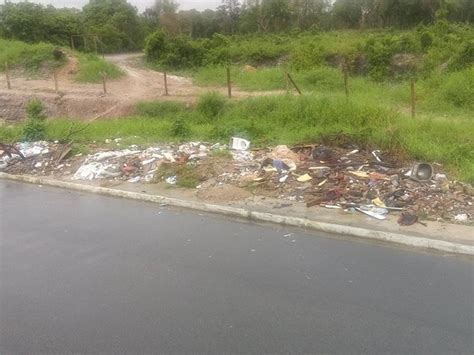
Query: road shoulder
pixel 449 238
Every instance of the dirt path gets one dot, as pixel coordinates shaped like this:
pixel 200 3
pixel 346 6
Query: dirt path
pixel 87 101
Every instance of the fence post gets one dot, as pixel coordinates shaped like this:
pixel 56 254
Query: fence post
pixel 55 77
pixel 165 78
pixel 229 84
pixel 7 76
pixel 413 99
pixel 104 85
pixel 293 82
pixel 346 80
pixel 72 43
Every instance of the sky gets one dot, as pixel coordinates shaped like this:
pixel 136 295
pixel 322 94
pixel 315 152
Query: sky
pixel 140 4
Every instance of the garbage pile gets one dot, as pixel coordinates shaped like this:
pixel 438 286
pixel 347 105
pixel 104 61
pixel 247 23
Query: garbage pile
pixel 34 158
pixel 134 164
pixel 365 182
pixel 350 179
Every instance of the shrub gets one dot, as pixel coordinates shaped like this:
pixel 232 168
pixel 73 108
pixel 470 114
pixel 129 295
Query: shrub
pixel 380 50
pixel 211 104
pixel 180 128
pixel 426 40
pixel 35 128
pixel 458 89
pixel 464 58
pixel 182 52
pixel 176 52
pixel 156 45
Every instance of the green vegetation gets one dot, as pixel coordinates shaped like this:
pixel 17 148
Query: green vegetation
pixel 91 69
pixel 113 24
pixel 384 45
pixel 42 58
pixel 30 57
pixel 35 128
pixel 291 120
pixel 210 105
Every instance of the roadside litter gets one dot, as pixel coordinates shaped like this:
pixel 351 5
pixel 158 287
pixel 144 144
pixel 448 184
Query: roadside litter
pixel 346 179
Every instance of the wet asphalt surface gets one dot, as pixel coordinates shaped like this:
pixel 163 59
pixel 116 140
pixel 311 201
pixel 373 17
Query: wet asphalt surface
pixel 89 274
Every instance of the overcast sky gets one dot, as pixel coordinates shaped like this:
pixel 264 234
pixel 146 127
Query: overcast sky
pixel 140 4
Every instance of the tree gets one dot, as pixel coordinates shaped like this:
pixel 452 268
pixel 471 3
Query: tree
pixel 34 23
pixel 116 22
pixel 308 13
pixel 229 12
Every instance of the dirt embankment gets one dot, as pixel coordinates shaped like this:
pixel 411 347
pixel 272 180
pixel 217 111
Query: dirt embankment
pixel 88 101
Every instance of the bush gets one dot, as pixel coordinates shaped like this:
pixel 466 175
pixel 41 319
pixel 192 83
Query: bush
pixel 177 52
pixel 35 110
pixel 381 49
pixel 458 89
pixel 211 104
pixel 182 52
pixel 156 45
pixel 426 40
pixel 464 58
pixel 180 128
pixel 35 127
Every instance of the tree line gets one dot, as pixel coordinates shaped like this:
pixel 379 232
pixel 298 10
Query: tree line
pixel 120 26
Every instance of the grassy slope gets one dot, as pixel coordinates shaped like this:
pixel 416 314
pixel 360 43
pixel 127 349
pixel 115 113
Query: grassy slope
pixel 36 57
pixel 289 120
pixel 91 68
pixel 30 57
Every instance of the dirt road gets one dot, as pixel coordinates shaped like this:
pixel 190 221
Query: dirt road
pixel 87 101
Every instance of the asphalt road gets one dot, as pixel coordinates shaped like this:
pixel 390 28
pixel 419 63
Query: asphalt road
pixel 90 274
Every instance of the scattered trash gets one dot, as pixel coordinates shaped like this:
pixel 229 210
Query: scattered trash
pixel 407 219
pixel 421 172
pixel 171 180
pixel 283 178
pixel 376 153
pixel 134 179
pixel 304 178
pixel 461 217
pixel 322 153
pixel 373 211
pixel 346 179
pixel 239 144
pixel 378 202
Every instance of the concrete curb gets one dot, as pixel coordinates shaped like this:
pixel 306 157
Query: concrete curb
pixel 383 236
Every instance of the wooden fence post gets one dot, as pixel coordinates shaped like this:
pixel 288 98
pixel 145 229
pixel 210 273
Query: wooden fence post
pixel 165 78
pixel 229 84
pixel 293 82
pixel 413 99
pixel 345 71
pixel 346 79
pixel 56 86
pixel 7 76
pixel 104 84
pixel 72 43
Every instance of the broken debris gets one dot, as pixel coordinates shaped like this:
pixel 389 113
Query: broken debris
pixel 349 179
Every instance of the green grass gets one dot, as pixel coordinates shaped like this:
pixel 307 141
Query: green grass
pixel 29 57
pixel 91 68
pixel 290 120
pixel 438 94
